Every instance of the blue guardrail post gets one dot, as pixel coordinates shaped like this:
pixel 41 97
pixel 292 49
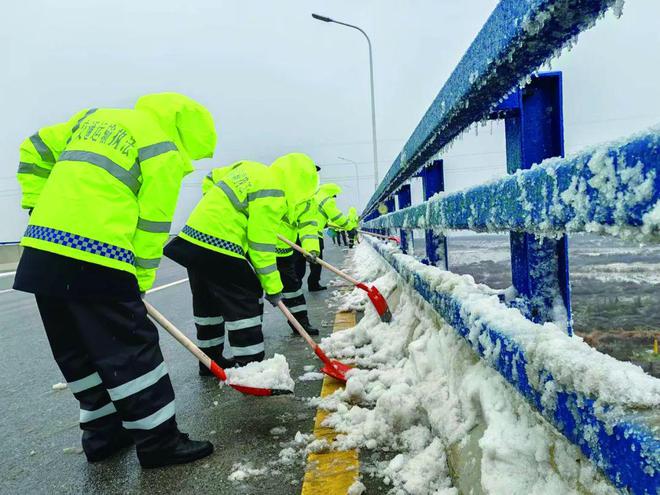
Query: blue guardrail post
pixel 433 181
pixel 534 131
pixel 404 200
pixel 389 204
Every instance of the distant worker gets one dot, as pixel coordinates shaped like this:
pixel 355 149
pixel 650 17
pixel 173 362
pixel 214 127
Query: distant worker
pixel 353 220
pixel 328 214
pixel 302 228
pixel 103 187
pixel 332 234
pixel 229 246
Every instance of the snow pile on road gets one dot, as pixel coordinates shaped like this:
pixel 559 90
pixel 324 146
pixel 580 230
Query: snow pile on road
pixel 241 472
pixel 420 393
pixel 271 373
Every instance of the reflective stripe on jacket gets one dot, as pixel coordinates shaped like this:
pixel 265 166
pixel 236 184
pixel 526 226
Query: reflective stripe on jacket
pixel 328 212
pixel 305 226
pixel 111 188
pixel 239 215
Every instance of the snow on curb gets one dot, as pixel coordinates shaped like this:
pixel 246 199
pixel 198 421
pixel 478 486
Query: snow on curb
pixel 419 391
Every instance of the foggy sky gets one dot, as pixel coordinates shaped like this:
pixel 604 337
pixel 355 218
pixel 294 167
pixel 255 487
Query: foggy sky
pixel 277 81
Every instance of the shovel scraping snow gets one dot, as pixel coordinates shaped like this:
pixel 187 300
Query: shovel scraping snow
pixel 376 298
pixel 381 236
pixel 217 371
pixel 333 368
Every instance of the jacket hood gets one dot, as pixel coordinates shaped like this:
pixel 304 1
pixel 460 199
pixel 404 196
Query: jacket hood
pixel 329 190
pixel 299 178
pixel 187 122
pixel 352 212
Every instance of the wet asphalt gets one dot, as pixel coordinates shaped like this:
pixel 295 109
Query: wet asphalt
pixel 39 434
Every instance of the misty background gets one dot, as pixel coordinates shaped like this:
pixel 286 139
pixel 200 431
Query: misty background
pixel 278 81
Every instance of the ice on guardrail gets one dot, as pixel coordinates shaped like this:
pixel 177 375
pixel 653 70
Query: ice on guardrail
pixel 613 188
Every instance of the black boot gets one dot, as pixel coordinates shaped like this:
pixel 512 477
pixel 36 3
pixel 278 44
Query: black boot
pixel 316 288
pixel 184 451
pixel 309 328
pixel 99 445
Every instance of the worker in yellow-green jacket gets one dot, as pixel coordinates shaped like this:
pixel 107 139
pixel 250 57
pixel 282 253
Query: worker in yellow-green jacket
pixel 229 246
pixel 352 227
pixel 327 214
pixel 102 189
pixel 301 228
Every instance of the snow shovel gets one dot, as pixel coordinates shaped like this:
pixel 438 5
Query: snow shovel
pixel 374 294
pixel 204 359
pixel 332 367
pixel 381 236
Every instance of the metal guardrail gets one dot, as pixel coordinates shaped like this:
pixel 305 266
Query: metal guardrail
pixel 622 442
pixel 515 40
pixel 612 189
pixel 609 189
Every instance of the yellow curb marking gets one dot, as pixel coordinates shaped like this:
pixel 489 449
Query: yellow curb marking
pixel 331 473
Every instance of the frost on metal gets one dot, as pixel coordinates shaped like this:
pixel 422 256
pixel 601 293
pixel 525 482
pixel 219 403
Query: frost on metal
pixel 608 408
pixel 519 36
pixel 611 189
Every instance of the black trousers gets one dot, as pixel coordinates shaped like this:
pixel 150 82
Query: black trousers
pixel 351 237
pixel 109 354
pixel 314 279
pixel 341 234
pixel 292 295
pixel 228 308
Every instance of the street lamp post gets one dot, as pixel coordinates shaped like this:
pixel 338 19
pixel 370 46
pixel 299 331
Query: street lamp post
pixel 357 177
pixel 373 99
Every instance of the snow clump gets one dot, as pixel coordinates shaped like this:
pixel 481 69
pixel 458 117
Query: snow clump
pixel 271 373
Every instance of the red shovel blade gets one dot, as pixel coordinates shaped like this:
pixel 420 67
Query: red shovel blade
pixel 380 304
pixel 336 370
pixel 259 392
pixel 394 238
pixel 333 368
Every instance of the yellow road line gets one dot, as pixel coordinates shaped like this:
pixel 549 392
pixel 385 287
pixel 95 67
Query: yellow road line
pixel 331 473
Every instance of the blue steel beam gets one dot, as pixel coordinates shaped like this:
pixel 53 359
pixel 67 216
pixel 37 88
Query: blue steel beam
pixel 515 40
pixel 404 198
pixel 612 189
pixel 534 132
pixel 622 444
pixel 433 182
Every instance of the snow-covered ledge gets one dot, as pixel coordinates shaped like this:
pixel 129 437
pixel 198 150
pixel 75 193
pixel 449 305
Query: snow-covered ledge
pixel 609 409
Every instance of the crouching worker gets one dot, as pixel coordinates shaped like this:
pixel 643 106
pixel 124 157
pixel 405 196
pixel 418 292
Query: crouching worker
pixel 300 226
pixel 228 246
pixel 104 187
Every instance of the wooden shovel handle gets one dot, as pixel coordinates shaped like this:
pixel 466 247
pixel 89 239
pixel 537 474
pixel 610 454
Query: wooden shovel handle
pixel 321 262
pixel 178 335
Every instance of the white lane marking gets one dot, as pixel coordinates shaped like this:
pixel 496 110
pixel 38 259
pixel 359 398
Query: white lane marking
pixel 166 286
pixel 7 274
pixel 150 291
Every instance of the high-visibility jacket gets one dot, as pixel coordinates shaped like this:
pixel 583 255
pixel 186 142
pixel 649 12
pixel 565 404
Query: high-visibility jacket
pixel 304 227
pixel 104 185
pixel 328 212
pixel 353 218
pixel 239 215
pixel 301 179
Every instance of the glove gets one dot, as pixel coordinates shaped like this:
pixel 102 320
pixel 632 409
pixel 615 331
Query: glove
pixel 312 255
pixel 273 299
